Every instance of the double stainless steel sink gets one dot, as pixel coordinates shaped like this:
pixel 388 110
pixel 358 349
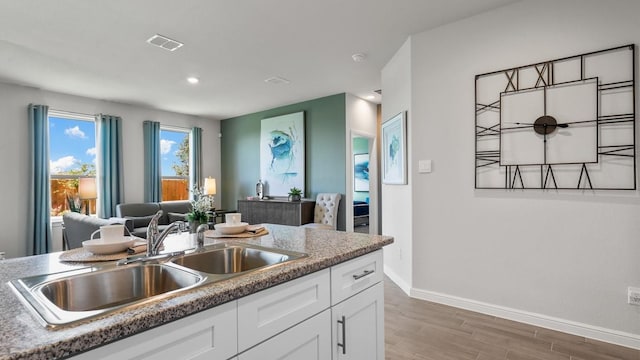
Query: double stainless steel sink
pixel 71 296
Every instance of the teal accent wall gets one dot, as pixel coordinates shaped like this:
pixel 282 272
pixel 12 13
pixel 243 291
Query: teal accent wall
pixel 325 133
pixel 360 146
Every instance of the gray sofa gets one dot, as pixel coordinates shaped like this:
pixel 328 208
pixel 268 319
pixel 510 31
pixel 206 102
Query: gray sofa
pixel 79 227
pixel 138 215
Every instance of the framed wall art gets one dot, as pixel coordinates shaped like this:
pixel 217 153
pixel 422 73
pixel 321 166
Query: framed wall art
pixel 361 172
pixel 567 123
pixel 394 150
pixel 282 153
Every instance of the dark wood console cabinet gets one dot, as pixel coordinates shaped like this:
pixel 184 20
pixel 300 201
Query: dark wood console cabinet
pixel 277 211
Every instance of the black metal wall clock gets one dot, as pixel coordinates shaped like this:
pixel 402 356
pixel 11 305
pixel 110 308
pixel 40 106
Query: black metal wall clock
pixel 562 124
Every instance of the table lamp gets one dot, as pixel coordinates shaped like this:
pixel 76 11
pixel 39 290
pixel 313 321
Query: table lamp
pixel 87 191
pixel 210 190
pixel 209 186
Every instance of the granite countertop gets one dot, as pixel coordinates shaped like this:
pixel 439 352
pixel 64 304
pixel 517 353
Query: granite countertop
pixel 23 337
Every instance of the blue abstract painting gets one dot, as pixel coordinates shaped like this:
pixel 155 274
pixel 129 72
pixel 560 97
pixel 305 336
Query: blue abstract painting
pixel 282 156
pixel 361 172
pixel 393 150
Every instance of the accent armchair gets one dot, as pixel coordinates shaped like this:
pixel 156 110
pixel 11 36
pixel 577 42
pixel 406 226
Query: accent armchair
pixel 325 212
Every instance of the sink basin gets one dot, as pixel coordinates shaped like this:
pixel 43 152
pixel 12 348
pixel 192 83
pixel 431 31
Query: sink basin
pixel 106 289
pixel 67 297
pixel 235 259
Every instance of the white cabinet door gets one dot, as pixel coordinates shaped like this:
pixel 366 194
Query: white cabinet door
pixel 358 326
pixel 271 311
pixel 211 334
pixel 309 340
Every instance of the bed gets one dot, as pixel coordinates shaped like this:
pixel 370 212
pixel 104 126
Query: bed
pixel 360 213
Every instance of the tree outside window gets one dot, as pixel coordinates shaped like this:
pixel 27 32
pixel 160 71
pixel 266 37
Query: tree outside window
pixel 72 154
pixel 174 149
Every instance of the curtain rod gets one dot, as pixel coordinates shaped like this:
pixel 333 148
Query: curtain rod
pixel 83 116
pixel 71 113
pixel 175 128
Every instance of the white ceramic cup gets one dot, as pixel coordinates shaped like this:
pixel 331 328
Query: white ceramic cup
pixel 109 233
pixel 233 218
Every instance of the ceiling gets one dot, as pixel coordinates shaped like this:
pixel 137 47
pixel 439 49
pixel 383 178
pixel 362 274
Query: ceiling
pixel 98 49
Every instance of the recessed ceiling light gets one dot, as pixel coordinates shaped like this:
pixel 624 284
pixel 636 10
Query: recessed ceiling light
pixel 358 57
pixel 193 80
pixel 370 97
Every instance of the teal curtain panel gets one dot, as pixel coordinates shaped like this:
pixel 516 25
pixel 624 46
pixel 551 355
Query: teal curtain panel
pixel 195 158
pixel 152 171
pixel 38 220
pixel 110 178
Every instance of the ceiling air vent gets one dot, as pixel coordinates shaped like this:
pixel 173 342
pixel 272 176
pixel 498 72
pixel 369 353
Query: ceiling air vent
pixel 379 91
pixel 164 42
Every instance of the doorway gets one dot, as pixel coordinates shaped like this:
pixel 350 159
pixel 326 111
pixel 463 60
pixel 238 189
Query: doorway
pixel 364 184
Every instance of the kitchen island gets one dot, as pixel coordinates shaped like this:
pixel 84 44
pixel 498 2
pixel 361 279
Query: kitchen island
pixel 23 337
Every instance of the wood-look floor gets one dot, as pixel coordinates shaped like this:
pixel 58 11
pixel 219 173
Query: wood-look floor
pixel 422 330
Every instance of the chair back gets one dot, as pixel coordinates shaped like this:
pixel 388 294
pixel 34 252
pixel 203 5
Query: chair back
pixel 326 209
pixel 79 227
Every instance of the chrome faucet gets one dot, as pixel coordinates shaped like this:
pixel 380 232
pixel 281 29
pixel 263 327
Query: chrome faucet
pixel 155 237
pixel 200 235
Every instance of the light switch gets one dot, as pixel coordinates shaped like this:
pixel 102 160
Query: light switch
pixel 424 166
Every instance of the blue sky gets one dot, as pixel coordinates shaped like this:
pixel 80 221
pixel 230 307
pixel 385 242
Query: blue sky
pixel 169 144
pixel 72 143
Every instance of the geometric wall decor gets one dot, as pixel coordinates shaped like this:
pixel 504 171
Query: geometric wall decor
pixel 567 123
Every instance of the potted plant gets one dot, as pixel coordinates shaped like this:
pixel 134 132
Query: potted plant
pixel 201 205
pixel 295 194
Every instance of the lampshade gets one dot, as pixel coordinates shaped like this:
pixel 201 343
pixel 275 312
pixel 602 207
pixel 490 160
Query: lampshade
pixel 87 188
pixel 209 186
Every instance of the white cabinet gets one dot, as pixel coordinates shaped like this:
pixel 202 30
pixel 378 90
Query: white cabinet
pixel 271 311
pixel 357 299
pixel 332 314
pixel 309 340
pixel 358 326
pixel 211 334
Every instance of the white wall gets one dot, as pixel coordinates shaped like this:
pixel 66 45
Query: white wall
pixel 563 258
pixel 14 155
pixel 397 200
pixel 361 120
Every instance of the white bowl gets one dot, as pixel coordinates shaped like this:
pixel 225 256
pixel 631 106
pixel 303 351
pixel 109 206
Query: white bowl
pixel 231 229
pixel 100 247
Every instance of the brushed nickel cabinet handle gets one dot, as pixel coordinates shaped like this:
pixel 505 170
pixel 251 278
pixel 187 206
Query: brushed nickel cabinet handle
pixel 343 322
pixel 365 273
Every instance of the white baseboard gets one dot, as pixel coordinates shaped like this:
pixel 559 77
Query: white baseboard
pixel 397 280
pixel 549 322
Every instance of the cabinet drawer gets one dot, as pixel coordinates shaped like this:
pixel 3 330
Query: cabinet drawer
pixel 310 340
pixel 210 334
pixel 271 311
pixel 353 276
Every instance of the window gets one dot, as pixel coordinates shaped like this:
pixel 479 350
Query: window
pixel 174 152
pixel 72 155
